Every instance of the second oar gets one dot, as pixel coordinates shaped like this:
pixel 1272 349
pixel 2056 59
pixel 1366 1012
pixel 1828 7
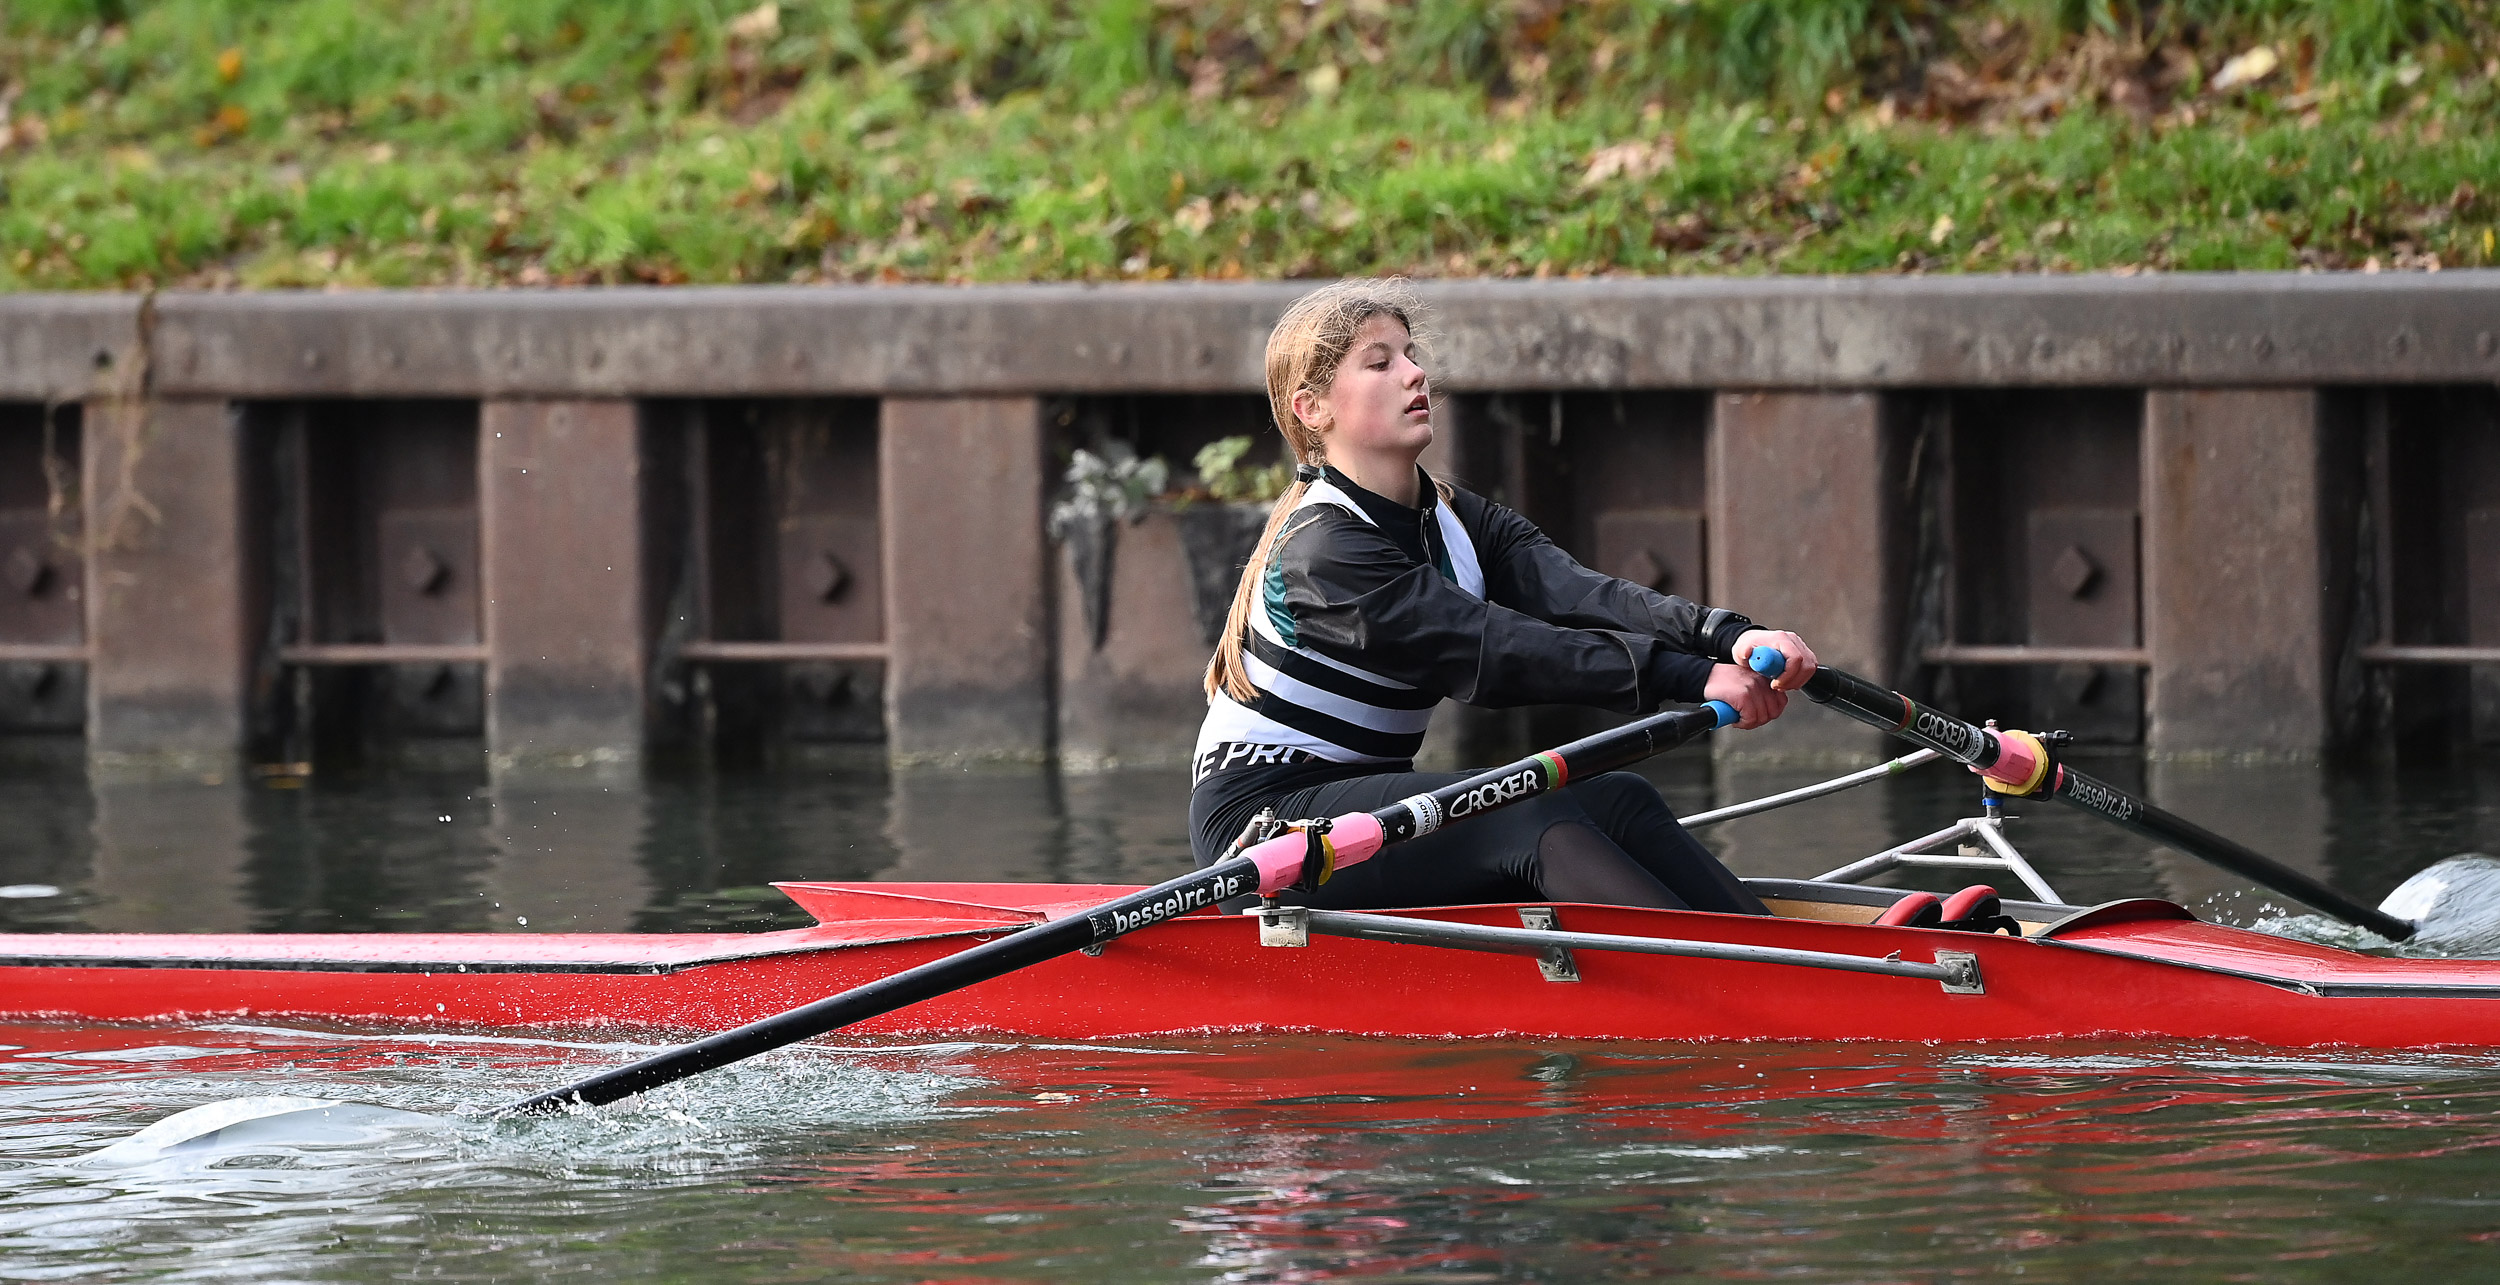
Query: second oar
pixel 2018 763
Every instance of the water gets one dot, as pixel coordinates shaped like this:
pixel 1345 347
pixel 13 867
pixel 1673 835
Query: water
pixel 458 853
pixel 465 854
pixel 1280 1158
pixel 1271 1159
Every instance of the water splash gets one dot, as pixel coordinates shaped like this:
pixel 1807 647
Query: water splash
pixel 2318 930
pixel 2454 903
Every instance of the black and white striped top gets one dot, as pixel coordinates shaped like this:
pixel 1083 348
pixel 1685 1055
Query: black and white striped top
pixel 1323 705
pixel 1371 613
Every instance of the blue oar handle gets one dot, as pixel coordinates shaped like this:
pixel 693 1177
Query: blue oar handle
pixel 1765 660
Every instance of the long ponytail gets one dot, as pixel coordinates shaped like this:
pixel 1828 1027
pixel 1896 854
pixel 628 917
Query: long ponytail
pixel 1304 351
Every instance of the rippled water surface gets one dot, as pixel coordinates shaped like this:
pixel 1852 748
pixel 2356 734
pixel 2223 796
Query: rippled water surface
pixel 1222 1158
pixel 1264 1159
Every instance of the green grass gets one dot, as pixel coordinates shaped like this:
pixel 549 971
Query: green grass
pixel 316 142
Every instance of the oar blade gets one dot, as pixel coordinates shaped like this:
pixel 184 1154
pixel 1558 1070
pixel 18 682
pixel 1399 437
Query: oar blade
pixel 2454 905
pixel 243 1123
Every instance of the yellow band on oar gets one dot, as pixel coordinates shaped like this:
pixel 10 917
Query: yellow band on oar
pixel 1319 853
pixel 2039 766
pixel 1327 858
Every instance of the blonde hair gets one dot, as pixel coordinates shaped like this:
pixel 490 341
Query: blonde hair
pixel 1304 351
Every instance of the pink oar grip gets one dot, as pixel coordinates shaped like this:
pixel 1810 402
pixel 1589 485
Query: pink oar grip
pixel 2020 762
pixel 1279 861
pixel 1357 836
pixel 2014 762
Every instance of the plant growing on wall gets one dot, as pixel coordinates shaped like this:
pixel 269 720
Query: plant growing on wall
pixel 1217 538
pixel 1226 476
pixel 1102 489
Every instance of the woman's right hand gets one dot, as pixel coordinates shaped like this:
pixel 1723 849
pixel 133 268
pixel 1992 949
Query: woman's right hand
pixel 1755 701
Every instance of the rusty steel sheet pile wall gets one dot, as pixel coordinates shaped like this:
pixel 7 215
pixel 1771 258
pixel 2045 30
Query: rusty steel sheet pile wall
pixel 2224 513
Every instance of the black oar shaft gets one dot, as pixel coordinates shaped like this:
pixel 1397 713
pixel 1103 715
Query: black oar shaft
pixel 2106 800
pixel 1549 770
pixel 1223 881
pixel 1970 744
pixel 1020 948
pixel 1955 738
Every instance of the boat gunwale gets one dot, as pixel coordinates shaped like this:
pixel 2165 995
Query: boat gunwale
pixel 2324 989
pixel 454 967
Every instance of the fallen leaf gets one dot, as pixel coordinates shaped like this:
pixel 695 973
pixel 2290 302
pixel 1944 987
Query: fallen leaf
pixel 230 120
pixel 230 65
pixel 763 22
pixel 1687 232
pixel 2246 69
pixel 1943 228
pixel 1635 160
pixel 1206 79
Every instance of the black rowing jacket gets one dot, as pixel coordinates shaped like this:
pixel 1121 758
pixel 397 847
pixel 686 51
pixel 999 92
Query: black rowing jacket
pixel 1371 612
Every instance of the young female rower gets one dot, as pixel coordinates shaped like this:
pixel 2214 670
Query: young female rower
pixel 1377 590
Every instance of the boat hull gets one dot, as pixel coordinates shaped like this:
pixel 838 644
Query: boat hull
pixel 2147 974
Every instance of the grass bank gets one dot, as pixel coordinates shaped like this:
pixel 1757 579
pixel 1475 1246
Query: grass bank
pixel 479 142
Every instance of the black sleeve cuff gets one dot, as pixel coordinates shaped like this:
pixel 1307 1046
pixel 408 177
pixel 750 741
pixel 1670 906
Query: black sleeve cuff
pixel 1680 678
pixel 1722 628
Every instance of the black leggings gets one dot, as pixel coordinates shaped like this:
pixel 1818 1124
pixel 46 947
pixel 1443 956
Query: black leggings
pixel 1609 840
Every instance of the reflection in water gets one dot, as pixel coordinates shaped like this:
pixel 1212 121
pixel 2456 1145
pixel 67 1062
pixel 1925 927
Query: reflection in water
pixel 2380 817
pixel 715 843
pixel 164 857
pixel 412 852
pixel 2281 811
pixel 569 856
pixel 969 825
pixel 1267 1159
pixel 412 857
pixel 47 842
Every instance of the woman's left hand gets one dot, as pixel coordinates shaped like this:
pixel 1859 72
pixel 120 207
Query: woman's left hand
pixel 1746 691
pixel 1800 657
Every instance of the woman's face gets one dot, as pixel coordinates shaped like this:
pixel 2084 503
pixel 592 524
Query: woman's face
pixel 1380 403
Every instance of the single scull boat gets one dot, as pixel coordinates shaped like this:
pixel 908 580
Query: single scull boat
pixel 1835 959
pixel 1819 968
